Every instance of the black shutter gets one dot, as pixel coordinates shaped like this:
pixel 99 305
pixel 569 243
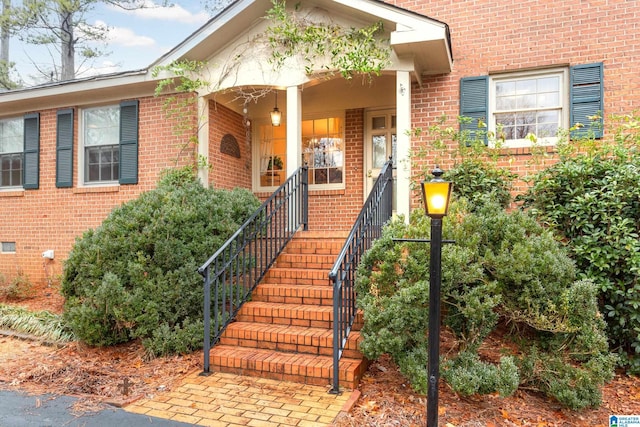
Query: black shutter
pixel 474 103
pixel 587 98
pixel 64 149
pixel 129 142
pixel 31 164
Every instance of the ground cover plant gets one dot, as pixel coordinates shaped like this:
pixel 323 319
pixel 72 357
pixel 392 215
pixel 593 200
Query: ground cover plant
pixel 135 276
pixel 506 274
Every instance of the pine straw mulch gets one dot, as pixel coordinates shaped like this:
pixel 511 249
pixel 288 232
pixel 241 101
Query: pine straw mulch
pixel 98 375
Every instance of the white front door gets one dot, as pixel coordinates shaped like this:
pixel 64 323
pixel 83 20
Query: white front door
pixel 380 144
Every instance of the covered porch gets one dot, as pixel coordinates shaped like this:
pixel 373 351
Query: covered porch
pixel 343 129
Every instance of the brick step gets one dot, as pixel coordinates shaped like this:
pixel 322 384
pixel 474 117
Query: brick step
pixel 293 294
pixel 314 261
pixel 286 314
pixel 294 339
pixel 301 368
pixel 317 247
pixel 300 276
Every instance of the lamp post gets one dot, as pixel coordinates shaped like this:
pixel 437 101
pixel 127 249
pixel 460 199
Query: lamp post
pixel 436 194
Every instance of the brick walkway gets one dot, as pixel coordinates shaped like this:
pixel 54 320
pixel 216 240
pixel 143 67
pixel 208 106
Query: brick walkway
pixel 227 400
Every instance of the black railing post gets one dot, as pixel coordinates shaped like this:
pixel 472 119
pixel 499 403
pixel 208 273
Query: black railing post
pixel 304 182
pixel 207 321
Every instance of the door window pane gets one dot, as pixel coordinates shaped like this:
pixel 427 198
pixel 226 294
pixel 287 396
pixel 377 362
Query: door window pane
pixel 379 150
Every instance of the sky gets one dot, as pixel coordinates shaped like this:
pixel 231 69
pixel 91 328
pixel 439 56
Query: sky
pixel 135 39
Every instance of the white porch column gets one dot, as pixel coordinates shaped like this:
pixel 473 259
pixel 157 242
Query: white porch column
pixel 403 126
pixel 203 139
pixel 294 129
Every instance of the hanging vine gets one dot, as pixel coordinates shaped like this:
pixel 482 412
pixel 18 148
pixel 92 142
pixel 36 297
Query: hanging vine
pixel 349 51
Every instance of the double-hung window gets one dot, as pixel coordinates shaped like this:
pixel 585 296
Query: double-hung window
pixel 11 152
pixel 100 137
pixel 529 105
pixel 523 107
pixel 108 145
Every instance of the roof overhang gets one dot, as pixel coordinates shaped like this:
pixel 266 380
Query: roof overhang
pixel 424 41
pixel 104 88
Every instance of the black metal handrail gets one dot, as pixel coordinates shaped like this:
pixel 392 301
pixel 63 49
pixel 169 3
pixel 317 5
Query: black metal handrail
pixel 239 265
pixel 377 210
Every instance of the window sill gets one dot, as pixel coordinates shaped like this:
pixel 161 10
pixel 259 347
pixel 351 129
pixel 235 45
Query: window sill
pixel 12 193
pixel 108 189
pixel 528 151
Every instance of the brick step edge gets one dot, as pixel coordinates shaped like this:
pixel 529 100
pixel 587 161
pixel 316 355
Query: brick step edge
pixel 294 367
pixel 315 341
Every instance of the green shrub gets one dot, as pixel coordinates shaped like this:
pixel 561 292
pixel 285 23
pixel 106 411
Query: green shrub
pixel 474 180
pixel 135 276
pixel 591 198
pixel 468 375
pixel 504 269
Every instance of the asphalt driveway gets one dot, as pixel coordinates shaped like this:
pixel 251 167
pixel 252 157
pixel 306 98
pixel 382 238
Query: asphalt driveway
pixel 22 410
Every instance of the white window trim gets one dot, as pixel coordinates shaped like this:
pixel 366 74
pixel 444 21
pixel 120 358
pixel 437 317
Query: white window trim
pixel 565 104
pixel 81 147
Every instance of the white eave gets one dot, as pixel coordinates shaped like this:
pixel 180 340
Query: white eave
pixel 415 38
pixel 110 87
pixel 420 45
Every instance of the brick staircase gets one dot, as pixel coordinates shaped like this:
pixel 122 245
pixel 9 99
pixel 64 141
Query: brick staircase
pixel 285 331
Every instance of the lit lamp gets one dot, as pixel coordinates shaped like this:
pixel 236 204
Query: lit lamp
pixel 436 194
pixel 276 115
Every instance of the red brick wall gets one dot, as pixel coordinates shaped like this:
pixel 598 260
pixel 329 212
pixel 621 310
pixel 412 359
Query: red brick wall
pixel 490 36
pixel 228 171
pixel 51 218
pixel 338 209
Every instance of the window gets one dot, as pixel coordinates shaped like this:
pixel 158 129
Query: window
pixel 11 151
pixel 8 247
pixel 528 105
pixel 273 155
pixel 323 150
pixel 108 145
pixel 537 102
pixel 101 141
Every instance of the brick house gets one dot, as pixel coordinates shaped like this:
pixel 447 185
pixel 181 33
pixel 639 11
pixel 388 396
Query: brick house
pixel 71 151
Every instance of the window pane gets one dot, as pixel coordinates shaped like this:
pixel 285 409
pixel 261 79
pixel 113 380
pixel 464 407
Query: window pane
pixel 548 100
pixel 101 126
pixel 378 122
pixel 505 88
pixel 524 87
pixel 379 150
pixel 548 116
pixel 11 136
pixel 549 84
pixel 505 103
pixel 505 119
pixel 526 101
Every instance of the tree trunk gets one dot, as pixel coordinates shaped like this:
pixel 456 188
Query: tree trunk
pixel 67 46
pixel 4 33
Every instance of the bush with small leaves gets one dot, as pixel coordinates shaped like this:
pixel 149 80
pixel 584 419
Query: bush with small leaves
pixel 591 198
pixel 504 269
pixel 135 276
